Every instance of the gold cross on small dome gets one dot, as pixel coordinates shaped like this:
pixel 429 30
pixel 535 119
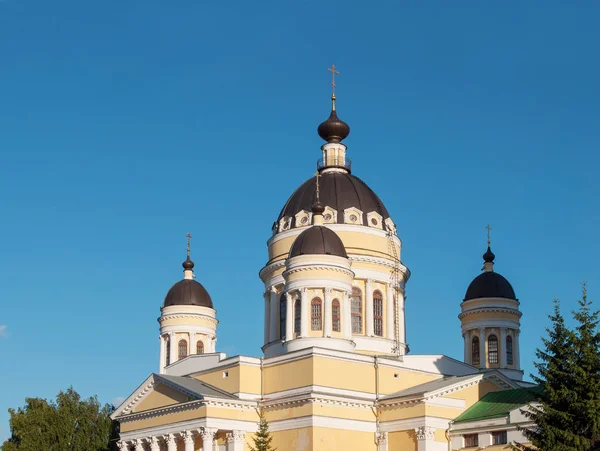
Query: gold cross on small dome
pixel 189 239
pixel 333 74
pixel 489 229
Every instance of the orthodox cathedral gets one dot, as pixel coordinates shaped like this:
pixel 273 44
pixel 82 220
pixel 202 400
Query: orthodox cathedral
pixel 336 372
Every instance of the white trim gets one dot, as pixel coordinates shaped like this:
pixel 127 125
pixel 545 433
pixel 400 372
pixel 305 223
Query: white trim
pixel 324 422
pixel 279 347
pixel 321 389
pixel 412 423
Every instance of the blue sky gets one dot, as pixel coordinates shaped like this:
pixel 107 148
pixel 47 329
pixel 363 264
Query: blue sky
pixel 126 124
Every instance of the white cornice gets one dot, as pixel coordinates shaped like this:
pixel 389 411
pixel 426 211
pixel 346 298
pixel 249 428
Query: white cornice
pixel 490 310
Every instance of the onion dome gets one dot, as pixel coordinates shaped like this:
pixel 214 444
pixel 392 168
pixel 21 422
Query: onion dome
pixel 188 292
pixel 333 130
pixel 490 284
pixel 338 191
pixel 188 264
pixel 318 240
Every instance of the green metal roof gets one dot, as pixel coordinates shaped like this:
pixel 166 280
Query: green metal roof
pixel 498 404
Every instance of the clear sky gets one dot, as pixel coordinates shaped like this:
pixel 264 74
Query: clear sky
pixel 125 124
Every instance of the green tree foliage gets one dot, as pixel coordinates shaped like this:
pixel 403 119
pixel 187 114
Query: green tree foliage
pixel 262 439
pixel 67 424
pixel 567 416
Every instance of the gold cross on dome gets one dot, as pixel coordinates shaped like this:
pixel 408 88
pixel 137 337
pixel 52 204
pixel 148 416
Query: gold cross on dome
pixel 489 229
pixel 189 239
pixel 333 74
pixel 317 175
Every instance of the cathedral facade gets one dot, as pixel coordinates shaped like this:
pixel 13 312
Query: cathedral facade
pixel 336 372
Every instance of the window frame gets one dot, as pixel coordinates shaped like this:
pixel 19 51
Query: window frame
pixel 282 316
pixel 356 311
pixel 473 437
pixel 182 344
pixel 297 316
pixel 378 313
pixel 199 347
pixel 492 355
pixel 316 314
pixel 475 351
pixel 499 438
pixel 509 350
pixel 336 318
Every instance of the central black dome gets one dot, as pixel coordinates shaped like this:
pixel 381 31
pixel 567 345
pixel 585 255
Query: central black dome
pixel 337 190
pixel 490 285
pixel 188 292
pixel 318 240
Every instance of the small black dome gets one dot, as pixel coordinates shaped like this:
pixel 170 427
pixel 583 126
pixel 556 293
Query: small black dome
pixel 188 292
pixel 489 256
pixel 318 240
pixel 490 285
pixel 188 264
pixel 318 208
pixel 333 130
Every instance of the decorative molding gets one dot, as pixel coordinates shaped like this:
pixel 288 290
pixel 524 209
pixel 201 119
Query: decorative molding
pixel 425 433
pixel 490 310
pixel 236 436
pixel 208 433
pixel 382 438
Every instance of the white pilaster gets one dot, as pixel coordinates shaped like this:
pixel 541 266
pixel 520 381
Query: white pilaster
pixel 327 323
pixel 467 347
pixel 171 442
pixel 192 346
pixel 369 308
pixel 382 441
pixel 154 444
pixel 516 349
pixel 123 446
pixel 347 316
pixel 138 445
pixel 482 356
pixel 391 330
pixel 425 439
pixel 274 315
pixel 163 356
pixel 502 346
pixel 235 440
pixel 289 318
pixel 401 317
pixel 208 438
pixel 188 440
pixel 267 317
pixel 305 317
pixel 173 346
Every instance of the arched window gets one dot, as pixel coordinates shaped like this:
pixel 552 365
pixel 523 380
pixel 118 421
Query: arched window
pixel 335 315
pixel 282 316
pixel 199 347
pixel 492 349
pixel 475 351
pixel 378 313
pixel 316 314
pixel 182 349
pixel 168 351
pixel 356 310
pixel 297 316
pixel 509 350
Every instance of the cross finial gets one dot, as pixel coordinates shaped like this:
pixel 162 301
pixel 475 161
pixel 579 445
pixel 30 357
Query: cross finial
pixel 333 74
pixel 189 239
pixel 317 175
pixel 489 229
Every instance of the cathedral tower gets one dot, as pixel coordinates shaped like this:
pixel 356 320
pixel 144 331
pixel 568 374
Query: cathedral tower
pixel 188 320
pixel 360 285
pixel 490 320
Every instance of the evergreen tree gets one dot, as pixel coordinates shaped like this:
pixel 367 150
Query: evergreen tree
pixel 69 424
pixel 262 439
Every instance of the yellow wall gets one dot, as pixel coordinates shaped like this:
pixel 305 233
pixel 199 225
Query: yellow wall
pixel 167 418
pixel 294 439
pixel 289 375
pixel 473 394
pixel 402 441
pixel 327 439
pixel 161 396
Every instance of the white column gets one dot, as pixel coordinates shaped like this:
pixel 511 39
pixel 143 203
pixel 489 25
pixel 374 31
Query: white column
pixel 401 318
pixel 192 346
pixel 154 444
pixel 213 343
pixel 188 440
pixel 208 438
pixel 382 441
pixel 171 442
pixel 347 316
pixel 467 347
pixel 502 346
pixel 516 349
pixel 267 329
pixel 369 308
pixel 482 356
pixel 139 445
pixel 289 318
pixel 163 353
pixel 173 346
pixel 425 438
pixel 305 316
pixel 391 330
pixel 235 440
pixel 123 446
pixel 327 323
pixel 274 305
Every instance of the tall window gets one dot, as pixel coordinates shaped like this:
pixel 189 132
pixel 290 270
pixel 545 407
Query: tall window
pixel 335 315
pixel 316 314
pixel 282 316
pixel 356 311
pixel 492 349
pixel 297 315
pixel 199 347
pixel 475 351
pixel 182 349
pixel 509 350
pixel 168 351
pixel 499 437
pixel 378 313
pixel 471 440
